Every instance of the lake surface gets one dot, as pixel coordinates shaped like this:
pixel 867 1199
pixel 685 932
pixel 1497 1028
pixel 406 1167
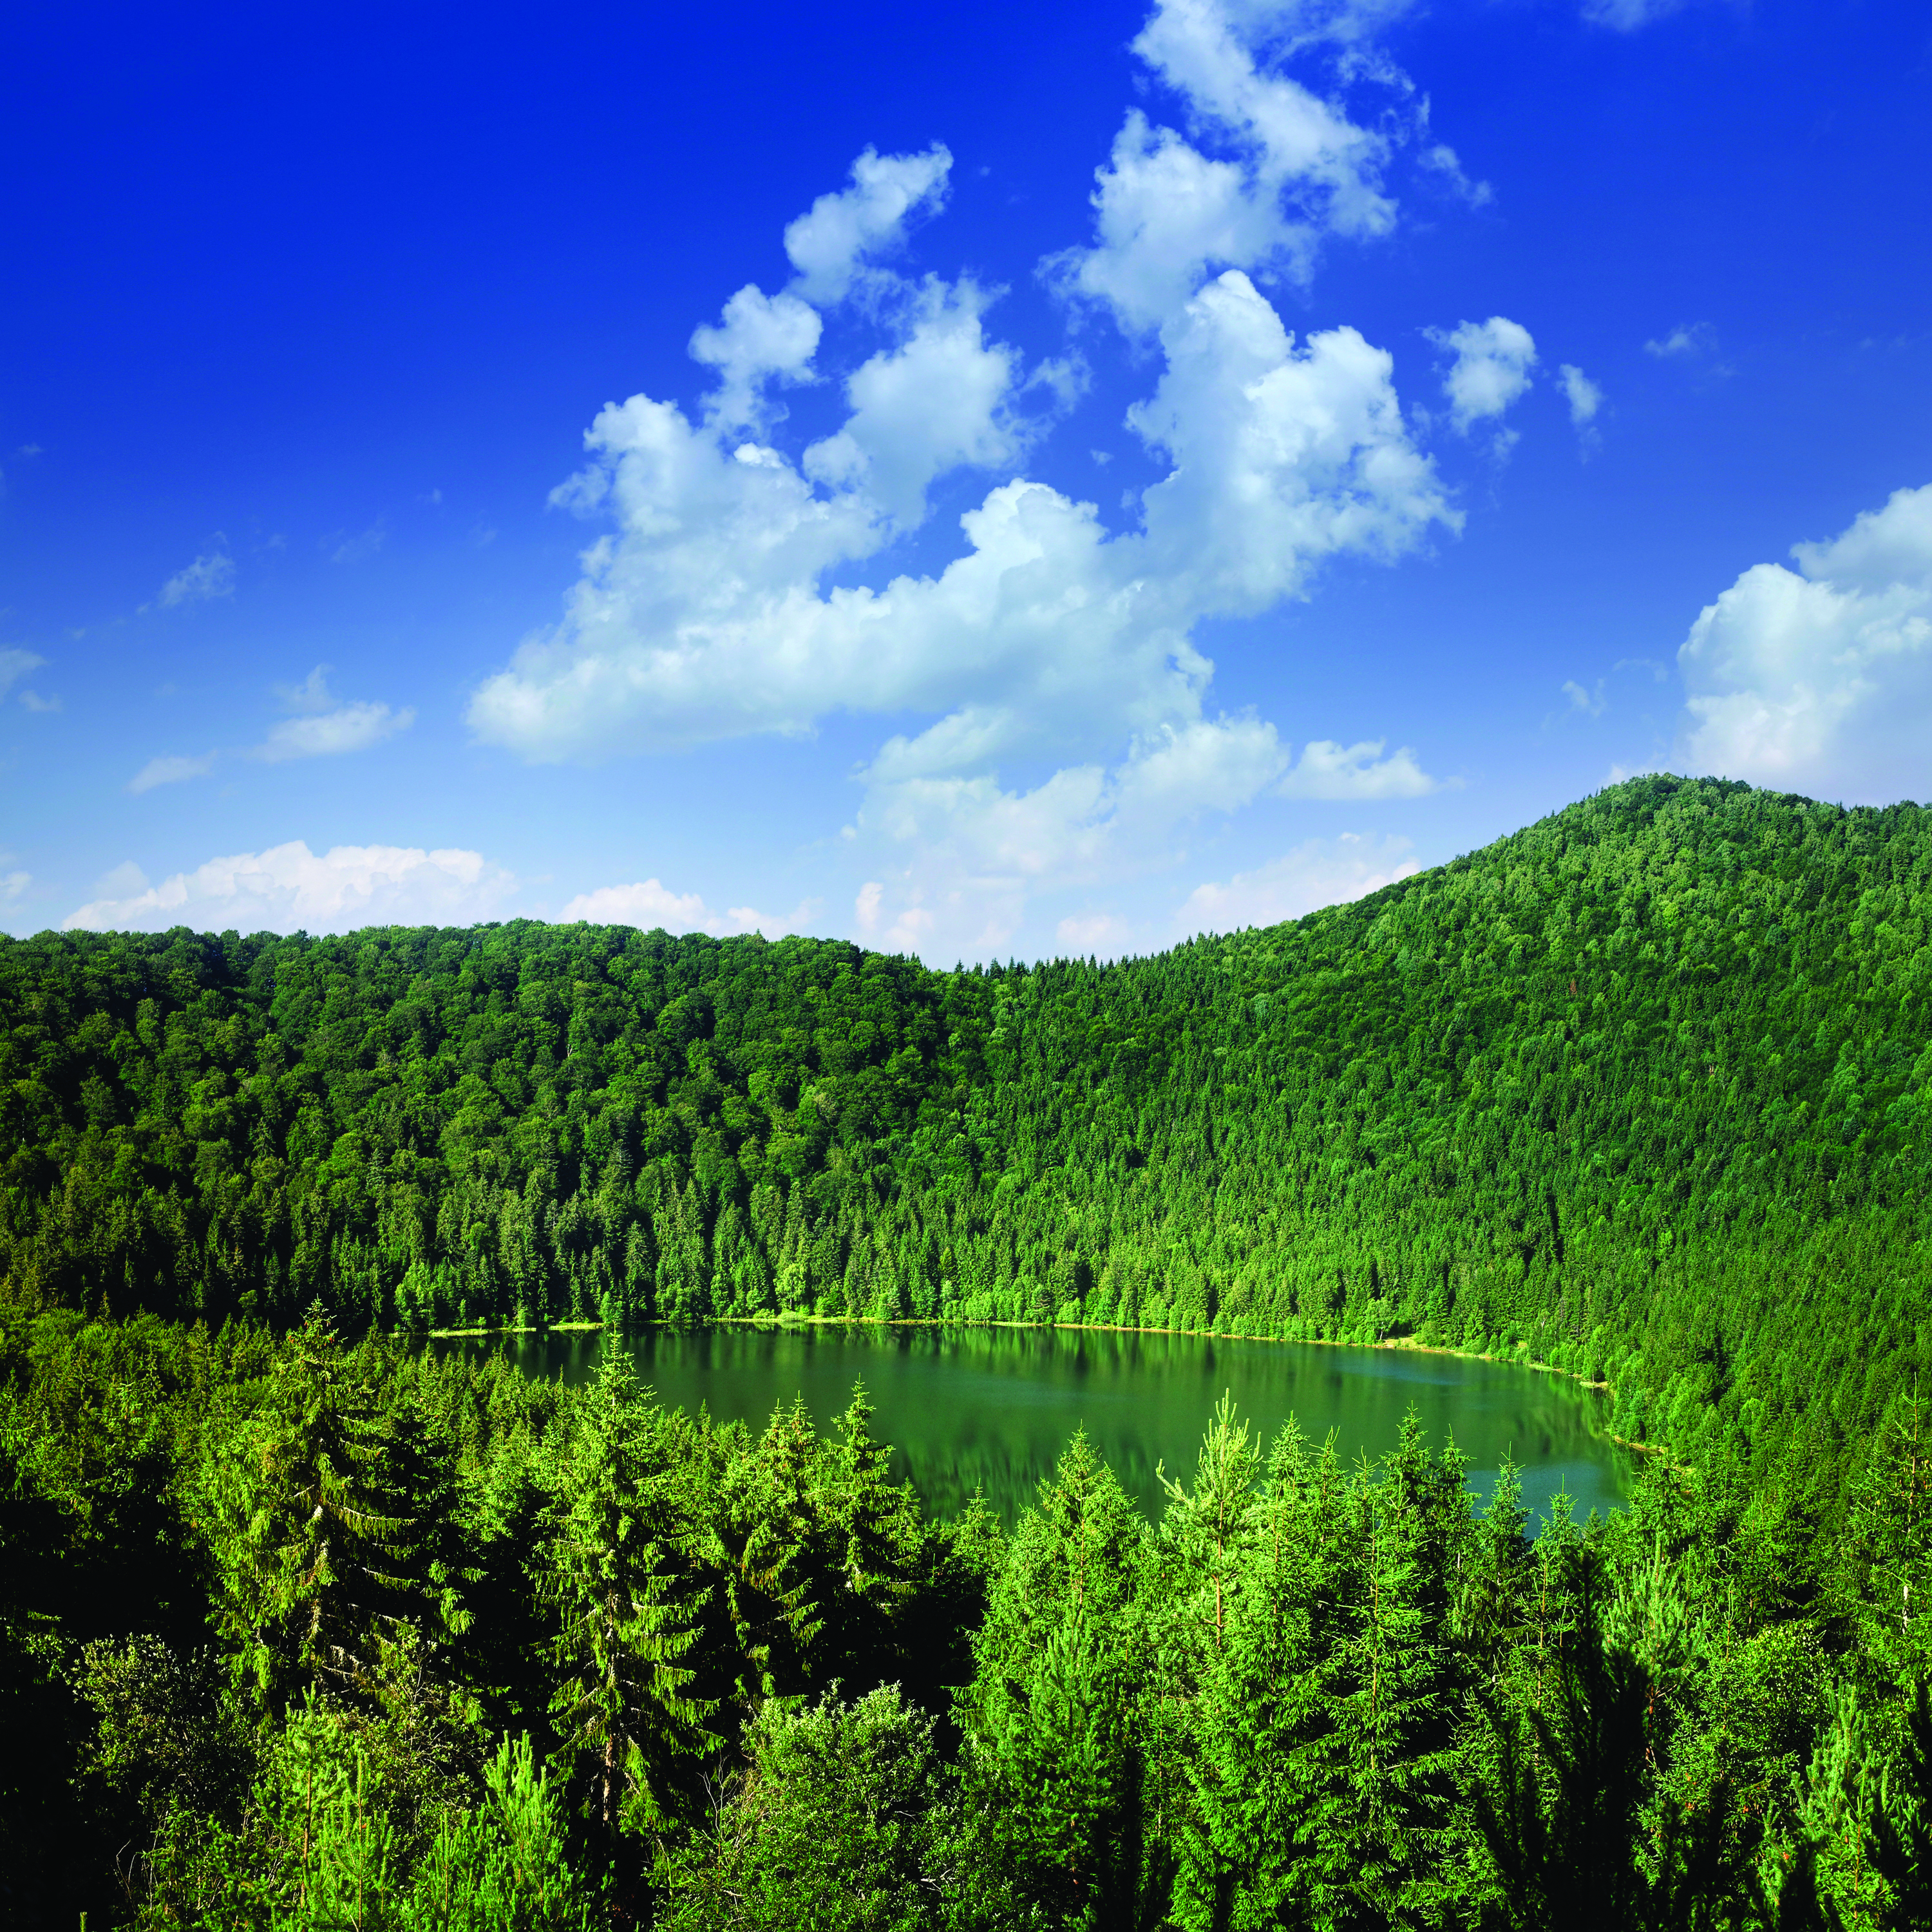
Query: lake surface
pixel 991 1409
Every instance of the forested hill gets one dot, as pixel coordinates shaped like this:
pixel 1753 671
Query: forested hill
pixel 1642 1091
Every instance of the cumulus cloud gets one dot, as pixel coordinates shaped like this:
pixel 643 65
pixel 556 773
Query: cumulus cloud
pixel 728 594
pixel 1316 873
pixel 970 852
pixel 1490 370
pixel 1583 396
pixel 312 694
pixel 1292 166
pixel 289 888
pixel 323 726
pixel 831 243
pixel 208 577
pixel 937 400
pixel 760 337
pixel 651 903
pixel 702 617
pixel 14 665
pixel 1820 678
pixel 172 768
pixel 1444 162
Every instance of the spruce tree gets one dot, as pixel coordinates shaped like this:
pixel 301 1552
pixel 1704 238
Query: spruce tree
pixel 311 1522
pixel 627 1711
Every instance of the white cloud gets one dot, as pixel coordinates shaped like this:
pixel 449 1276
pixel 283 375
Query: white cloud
pixel 120 880
pixel 650 903
pixel 832 242
pixel 1444 162
pixel 208 577
pixel 1590 703
pixel 761 336
pixel 934 402
pixel 34 701
pixel 1327 770
pixel 1493 360
pixel 1295 167
pixel 1104 933
pixel 970 853
pixel 900 930
pixel 1084 824
pixel 16 664
pixel 1049 704
pixel 12 884
pixel 323 727
pixel 1687 338
pixel 702 617
pixel 351 727
pixel 1820 678
pixel 1584 397
pixel 312 693
pixel 289 887
pixel 1316 873
pixel 171 770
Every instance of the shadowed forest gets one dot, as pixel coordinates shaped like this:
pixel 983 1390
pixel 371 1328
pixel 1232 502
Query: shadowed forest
pixel 302 1627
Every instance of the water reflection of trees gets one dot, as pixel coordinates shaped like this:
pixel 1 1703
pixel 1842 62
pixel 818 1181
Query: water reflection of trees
pixel 989 1409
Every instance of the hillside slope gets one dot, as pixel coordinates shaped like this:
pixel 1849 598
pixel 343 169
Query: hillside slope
pixel 1641 1090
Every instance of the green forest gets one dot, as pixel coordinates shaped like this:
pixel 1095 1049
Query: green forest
pixel 301 1626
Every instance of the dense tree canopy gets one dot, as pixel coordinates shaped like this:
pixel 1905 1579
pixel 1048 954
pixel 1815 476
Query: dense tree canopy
pixel 304 1626
pixel 299 1635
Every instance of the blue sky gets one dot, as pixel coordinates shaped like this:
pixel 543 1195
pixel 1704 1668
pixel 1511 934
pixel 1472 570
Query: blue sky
pixel 1011 481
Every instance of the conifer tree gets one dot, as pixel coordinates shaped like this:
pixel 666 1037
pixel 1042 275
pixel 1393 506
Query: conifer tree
pixel 1248 1829
pixel 1376 1774
pixel 769 1545
pixel 874 1545
pixel 627 1711
pixel 311 1522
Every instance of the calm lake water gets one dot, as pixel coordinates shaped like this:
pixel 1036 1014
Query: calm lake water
pixel 991 1409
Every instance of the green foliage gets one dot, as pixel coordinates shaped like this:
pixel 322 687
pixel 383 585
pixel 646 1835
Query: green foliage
pixel 706 1675
pixel 628 1600
pixel 296 1631
pixel 842 1815
pixel 1640 1092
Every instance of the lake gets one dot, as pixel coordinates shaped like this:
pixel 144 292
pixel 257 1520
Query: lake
pixel 991 1409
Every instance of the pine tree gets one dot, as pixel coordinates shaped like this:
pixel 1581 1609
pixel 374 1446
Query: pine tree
pixel 1377 1775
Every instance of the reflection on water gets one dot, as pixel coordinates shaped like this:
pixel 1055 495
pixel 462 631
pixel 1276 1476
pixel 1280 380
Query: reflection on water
pixel 991 1409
